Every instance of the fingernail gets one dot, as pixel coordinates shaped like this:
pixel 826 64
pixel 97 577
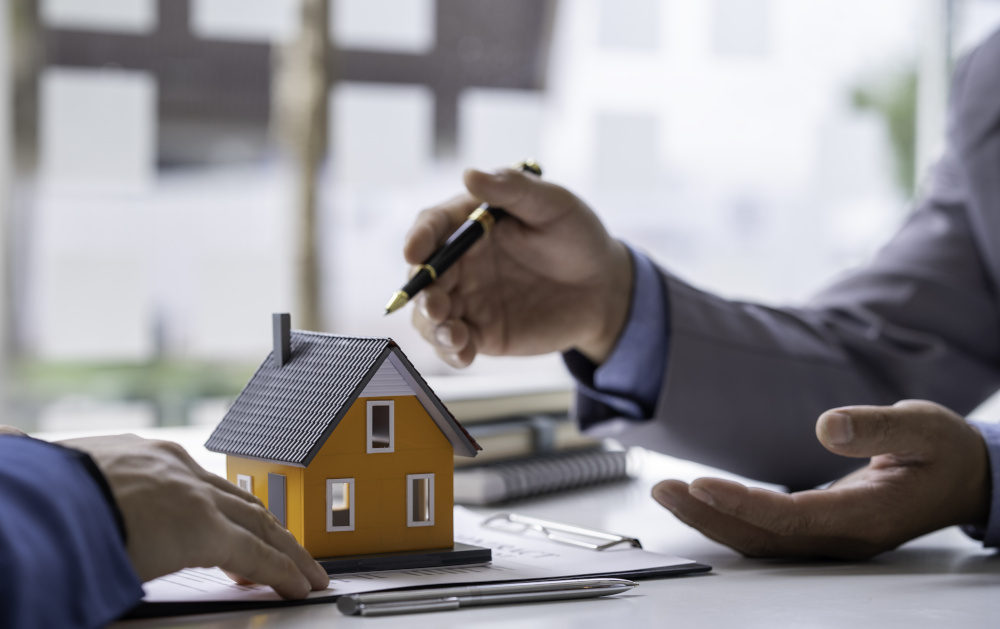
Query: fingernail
pixel 700 494
pixel 839 429
pixel 443 336
pixel 665 498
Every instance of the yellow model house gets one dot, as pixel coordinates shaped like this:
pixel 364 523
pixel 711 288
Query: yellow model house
pixel 345 444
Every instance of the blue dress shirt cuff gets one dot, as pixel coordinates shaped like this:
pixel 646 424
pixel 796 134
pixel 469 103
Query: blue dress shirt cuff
pixel 990 534
pixel 628 383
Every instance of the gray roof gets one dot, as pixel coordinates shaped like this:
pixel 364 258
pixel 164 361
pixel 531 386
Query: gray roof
pixel 286 414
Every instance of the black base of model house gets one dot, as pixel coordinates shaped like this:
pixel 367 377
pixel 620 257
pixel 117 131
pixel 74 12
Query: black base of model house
pixel 458 555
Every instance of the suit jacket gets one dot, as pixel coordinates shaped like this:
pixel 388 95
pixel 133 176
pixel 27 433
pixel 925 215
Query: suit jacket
pixel 63 560
pixel 744 383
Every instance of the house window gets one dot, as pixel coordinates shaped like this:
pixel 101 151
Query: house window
pixel 381 426
pixel 245 482
pixel 339 504
pixel 419 500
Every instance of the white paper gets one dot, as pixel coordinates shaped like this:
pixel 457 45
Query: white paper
pixel 515 557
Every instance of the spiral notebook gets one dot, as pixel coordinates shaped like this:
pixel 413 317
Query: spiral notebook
pixel 530 476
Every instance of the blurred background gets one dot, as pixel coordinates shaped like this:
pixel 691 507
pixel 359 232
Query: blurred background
pixel 174 171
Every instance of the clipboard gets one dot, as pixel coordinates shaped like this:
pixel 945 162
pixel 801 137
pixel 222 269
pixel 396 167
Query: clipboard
pixel 593 540
pixel 524 548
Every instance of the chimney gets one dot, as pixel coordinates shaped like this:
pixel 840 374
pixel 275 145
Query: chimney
pixel 282 323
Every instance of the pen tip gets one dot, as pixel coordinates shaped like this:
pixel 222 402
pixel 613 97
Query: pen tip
pixel 397 301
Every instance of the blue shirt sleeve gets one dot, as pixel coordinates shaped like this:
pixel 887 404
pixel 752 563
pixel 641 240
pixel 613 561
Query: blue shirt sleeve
pixel 990 534
pixel 628 383
pixel 63 561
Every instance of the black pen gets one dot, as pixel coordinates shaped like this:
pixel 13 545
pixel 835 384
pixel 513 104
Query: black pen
pixel 479 223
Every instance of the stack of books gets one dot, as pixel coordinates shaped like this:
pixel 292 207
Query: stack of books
pixel 530 444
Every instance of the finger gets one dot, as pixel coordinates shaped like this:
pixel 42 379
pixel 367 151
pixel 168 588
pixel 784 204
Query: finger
pixel 237 550
pixel 435 305
pixel 452 336
pixel 827 512
pixel 461 358
pixel 748 539
pixel 531 199
pixel 238 578
pixel 907 428
pixel 738 535
pixel 259 522
pixel 433 226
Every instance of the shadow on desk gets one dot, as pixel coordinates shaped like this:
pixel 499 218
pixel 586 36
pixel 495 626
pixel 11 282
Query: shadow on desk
pixel 908 560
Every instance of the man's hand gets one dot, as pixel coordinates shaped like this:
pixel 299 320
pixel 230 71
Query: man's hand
pixel 547 278
pixel 929 469
pixel 178 515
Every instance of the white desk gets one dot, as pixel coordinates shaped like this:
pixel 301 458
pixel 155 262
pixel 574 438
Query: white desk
pixel 941 580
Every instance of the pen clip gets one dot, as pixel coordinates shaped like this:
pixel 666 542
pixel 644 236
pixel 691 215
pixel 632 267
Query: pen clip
pixel 560 532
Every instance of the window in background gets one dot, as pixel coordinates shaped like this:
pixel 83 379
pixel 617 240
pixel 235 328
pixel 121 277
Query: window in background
pixel 499 127
pixel 741 28
pixel 629 25
pixel 381 134
pixel 403 26
pixel 245 20
pixel 98 128
pixel 92 298
pixel 180 252
pixel 119 16
pixel 627 155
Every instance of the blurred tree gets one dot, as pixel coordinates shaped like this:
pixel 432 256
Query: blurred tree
pixel 894 99
pixel 300 92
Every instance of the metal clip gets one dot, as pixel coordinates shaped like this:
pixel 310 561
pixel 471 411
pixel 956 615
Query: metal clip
pixel 559 532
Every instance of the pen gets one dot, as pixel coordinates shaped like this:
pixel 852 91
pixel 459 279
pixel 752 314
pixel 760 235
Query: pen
pixel 479 223
pixel 441 599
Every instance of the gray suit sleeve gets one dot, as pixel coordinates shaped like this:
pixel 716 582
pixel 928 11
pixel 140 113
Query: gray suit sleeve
pixel 745 383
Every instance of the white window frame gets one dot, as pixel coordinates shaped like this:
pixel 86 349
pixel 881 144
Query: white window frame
pixel 392 426
pixel 409 499
pixel 330 528
pixel 245 482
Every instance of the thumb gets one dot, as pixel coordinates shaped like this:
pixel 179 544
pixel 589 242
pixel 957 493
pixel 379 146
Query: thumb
pixel 906 428
pixel 524 195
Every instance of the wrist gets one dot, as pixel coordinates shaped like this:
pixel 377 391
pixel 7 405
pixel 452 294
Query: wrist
pixel 611 305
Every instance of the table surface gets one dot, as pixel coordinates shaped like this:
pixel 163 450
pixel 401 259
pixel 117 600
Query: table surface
pixel 943 579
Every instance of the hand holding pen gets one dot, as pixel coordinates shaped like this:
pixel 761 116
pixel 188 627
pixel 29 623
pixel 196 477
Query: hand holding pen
pixel 476 226
pixel 547 278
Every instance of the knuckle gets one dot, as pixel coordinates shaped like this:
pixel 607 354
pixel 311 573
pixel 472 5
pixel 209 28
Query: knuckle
pixel 879 428
pixel 263 519
pixel 169 446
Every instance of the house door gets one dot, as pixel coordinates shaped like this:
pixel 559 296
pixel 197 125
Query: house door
pixel 276 497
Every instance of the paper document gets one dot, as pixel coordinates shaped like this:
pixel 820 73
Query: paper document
pixel 515 557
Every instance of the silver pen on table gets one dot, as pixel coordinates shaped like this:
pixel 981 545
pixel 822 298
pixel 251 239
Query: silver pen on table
pixel 441 599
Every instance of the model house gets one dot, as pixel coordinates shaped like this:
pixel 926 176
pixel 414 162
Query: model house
pixel 345 444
